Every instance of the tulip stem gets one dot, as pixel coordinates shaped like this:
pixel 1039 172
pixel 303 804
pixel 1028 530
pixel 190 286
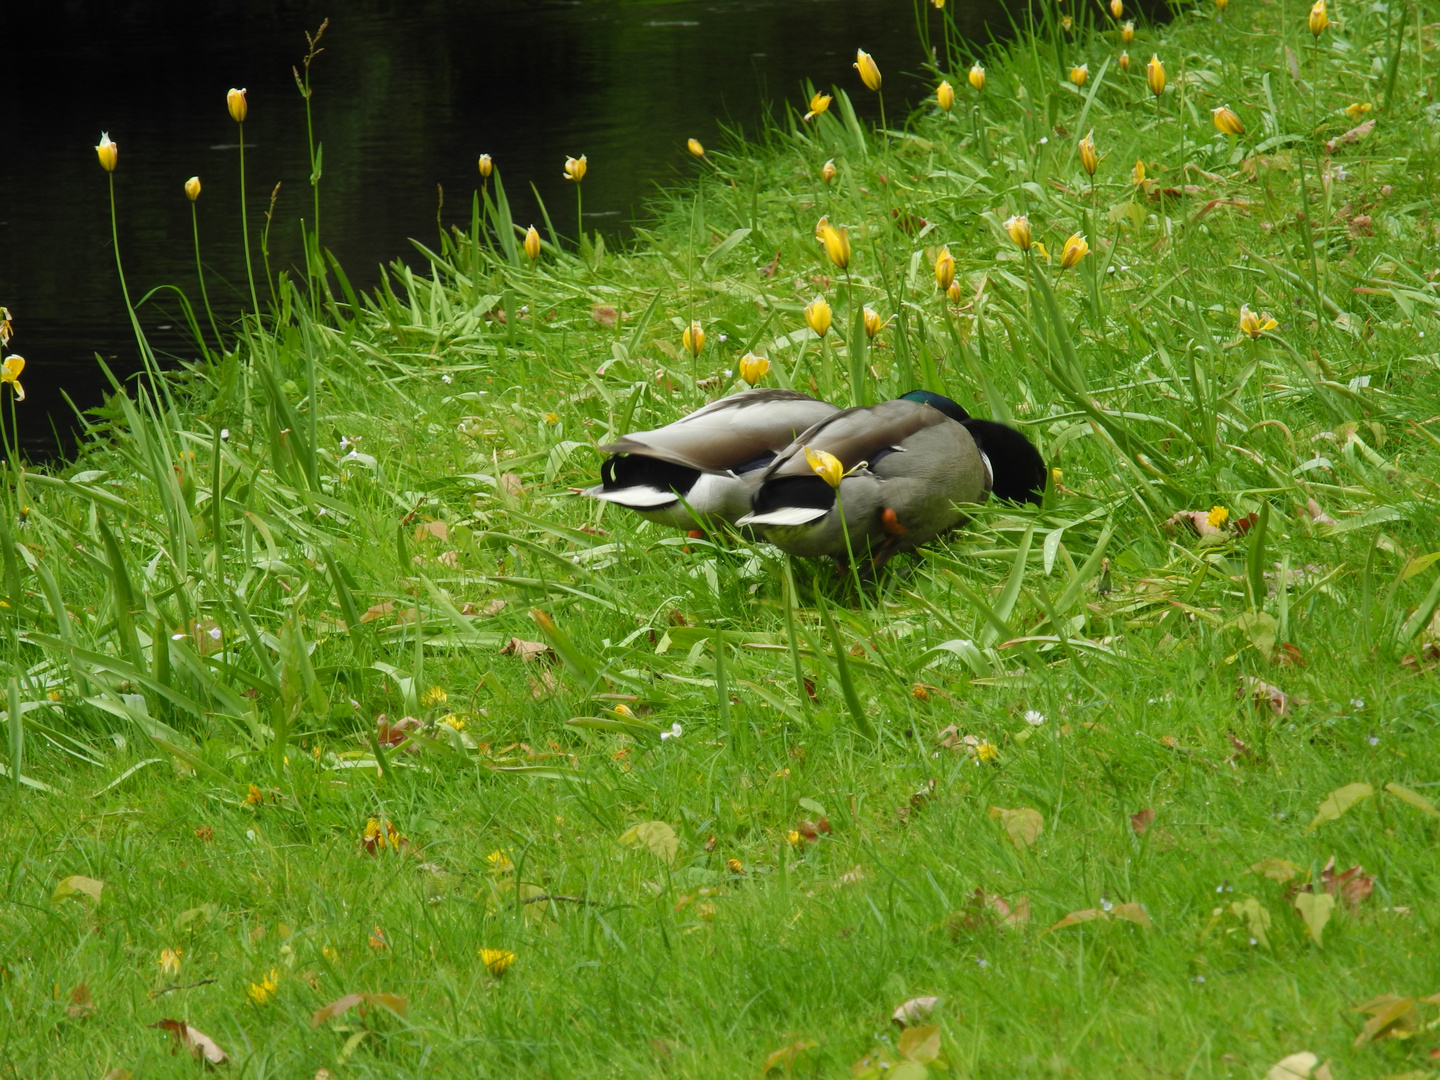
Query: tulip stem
pixel 158 387
pixel 245 225
pixel 200 273
pixel 579 219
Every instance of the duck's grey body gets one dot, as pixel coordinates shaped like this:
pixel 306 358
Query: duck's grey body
pixel 909 468
pixel 705 465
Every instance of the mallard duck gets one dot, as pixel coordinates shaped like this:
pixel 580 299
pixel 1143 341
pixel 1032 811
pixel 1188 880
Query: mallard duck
pixel 704 465
pixel 908 466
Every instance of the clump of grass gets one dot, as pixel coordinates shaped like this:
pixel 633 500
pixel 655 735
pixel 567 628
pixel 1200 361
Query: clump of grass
pixel 330 704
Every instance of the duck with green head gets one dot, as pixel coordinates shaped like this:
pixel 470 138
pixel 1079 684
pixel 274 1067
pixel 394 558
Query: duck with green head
pixel 908 465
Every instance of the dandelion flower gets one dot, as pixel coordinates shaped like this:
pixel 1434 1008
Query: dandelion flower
pixel 500 860
pixel 434 696
pixel 986 752
pixel 170 961
pixel 1252 325
pixel 255 796
pixel 1218 516
pixel 497 961
pixel 260 993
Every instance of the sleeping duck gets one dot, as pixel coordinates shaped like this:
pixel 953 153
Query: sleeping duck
pixel 705 465
pixel 907 466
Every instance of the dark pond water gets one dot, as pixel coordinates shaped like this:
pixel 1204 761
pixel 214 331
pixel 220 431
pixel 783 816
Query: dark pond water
pixel 407 95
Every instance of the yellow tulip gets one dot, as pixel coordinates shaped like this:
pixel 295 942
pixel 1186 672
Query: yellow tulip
pixel 1078 75
pixel 192 188
pixel 944 268
pixel 977 77
pixel 108 152
pixel 1222 5
pixel 1138 173
pixel 826 466
pixel 818 104
pixel 821 226
pixel 1075 249
pixel 236 103
pixel 486 166
pixel 828 171
pixel 873 323
pixel 10 374
pixel 1127 33
pixel 1155 75
pixel 1089 159
pixel 1226 120
pixel 953 292
pixel 753 368
pixel 1117 8
pixel 1318 19
pixel 837 244
pixel 817 316
pixel 695 148
pixel 1018 227
pixel 1357 109
pixel 945 96
pixel 939 5
pixel 693 338
pixel 532 243
pixel 1066 23
pixel 1124 61
pixel 1253 325
pixel 869 71
pixel 575 168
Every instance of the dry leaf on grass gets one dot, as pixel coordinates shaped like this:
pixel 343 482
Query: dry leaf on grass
pixel 1281 870
pixel 527 651
pixel 1315 909
pixel 78 884
pixel 396 1003
pixel 915 1010
pixel 1196 521
pixel 983 908
pixel 1353 886
pixel 1340 800
pixel 920 1044
pixel 656 837
pixel 1141 821
pixel 1414 798
pixel 200 1045
pixel 1355 134
pixel 1301 1066
pixel 437 529
pixel 488 610
pixel 1263 693
pixel 1023 826
pixel 81 1004
pixel 1390 1017
pixel 784 1058
pixel 1127 912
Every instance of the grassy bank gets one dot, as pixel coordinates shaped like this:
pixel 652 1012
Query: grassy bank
pixel 325 673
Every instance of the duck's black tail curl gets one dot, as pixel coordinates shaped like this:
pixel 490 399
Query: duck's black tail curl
pixel 1019 470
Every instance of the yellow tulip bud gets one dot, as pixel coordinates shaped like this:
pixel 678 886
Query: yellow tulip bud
pixel 1075 249
pixel 1253 325
pixel 939 5
pixel 818 104
pixel 869 71
pixel 826 466
pixel 532 243
pixel 1155 75
pixel 817 316
pixel 1089 159
pixel 753 368
pixel 693 338
pixel 1226 121
pixel 192 188
pixel 10 374
pixel 837 244
pixel 1124 61
pixel 1117 8
pixel 1066 23
pixel 953 293
pixel 945 96
pixel 944 268
pixel 1222 5
pixel 977 77
pixel 1018 227
pixel 828 171
pixel 873 322
pixel 1318 19
pixel 1138 173
pixel 695 148
pixel 236 103
pixel 1079 74
pixel 1127 33
pixel 821 226
pixel 575 168
pixel 108 152
pixel 486 166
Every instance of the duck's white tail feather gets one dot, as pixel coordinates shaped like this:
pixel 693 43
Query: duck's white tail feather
pixel 785 515
pixel 636 498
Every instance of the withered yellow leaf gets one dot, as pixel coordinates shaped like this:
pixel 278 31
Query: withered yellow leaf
pixel 1299 1066
pixel 1132 912
pixel 1257 919
pixel 1023 826
pixel 1396 1016
pixel 1315 909
pixel 1414 798
pixel 78 883
pixel 914 1010
pixel 920 1044
pixel 1340 800
pixel 1083 915
pixel 1276 869
pixel 786 1055
pixel 655 837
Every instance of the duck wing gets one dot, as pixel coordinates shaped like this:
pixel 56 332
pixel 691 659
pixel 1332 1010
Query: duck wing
pixel 864 434
pixel 745 429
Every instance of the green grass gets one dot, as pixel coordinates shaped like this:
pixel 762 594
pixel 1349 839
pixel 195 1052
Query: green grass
pixel 220 786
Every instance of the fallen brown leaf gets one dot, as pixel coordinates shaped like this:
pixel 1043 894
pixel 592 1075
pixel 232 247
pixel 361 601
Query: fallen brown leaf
pixel 527 651
pixel 200 1045
pixel 81 1005
pixel 915 1010
pixel 1141 821
pixel 1390 1017
pixel 1263 693
pixel 437 529
pixel 396 1003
